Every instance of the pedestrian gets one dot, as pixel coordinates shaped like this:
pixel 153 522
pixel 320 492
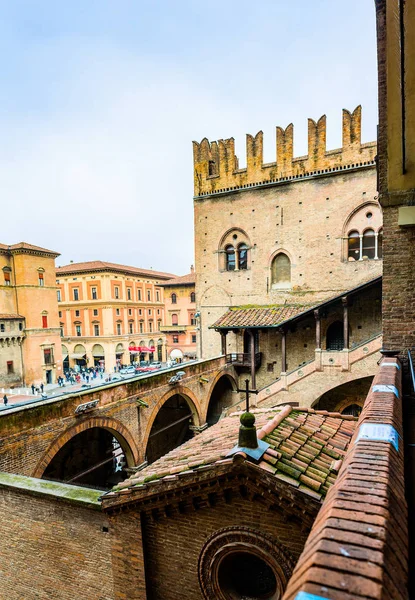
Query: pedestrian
pixel 5 400
pixel 41 387
pixel 33 388
pixel 87 378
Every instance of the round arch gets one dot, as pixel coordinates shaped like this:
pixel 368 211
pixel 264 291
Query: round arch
pixel 214 406
pixel 190 399
pixel 232 230
pixel 79 349
pixel 349 222
pixel 341 396
pixel 120 432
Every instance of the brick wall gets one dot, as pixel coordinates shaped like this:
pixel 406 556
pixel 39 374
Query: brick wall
pixel 398 308
pixel 304 219
pixel 173 544
pixel 52 548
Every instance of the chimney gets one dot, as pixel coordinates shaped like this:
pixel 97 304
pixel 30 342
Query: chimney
pixel 192 269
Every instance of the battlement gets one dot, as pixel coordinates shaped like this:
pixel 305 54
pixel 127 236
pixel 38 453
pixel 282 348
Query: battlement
pixel 216 167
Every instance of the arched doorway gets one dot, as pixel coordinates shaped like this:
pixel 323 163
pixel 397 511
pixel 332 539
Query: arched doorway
pixel 79 356
pixel 94 457
pixel 171 427
pixel 335 336
pixel 221 397
pixel 160 350
pixel 119 353
pixel 98 355
pixel 151 354
pixel 133 355
pixel 65 358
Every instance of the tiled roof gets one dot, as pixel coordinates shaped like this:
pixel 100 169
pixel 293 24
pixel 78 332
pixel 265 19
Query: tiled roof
pixel 358 545
pixel 188 279
pixel 272 316
pixel 259 316
pixel 100 265
pixel 26 246
pixel 10 316
pixel 306 449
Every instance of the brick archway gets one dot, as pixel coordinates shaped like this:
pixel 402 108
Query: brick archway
pixel 119 431
pixel 217 378
pixel 191 400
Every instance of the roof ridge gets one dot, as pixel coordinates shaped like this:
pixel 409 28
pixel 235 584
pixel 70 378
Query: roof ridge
pixel 274 422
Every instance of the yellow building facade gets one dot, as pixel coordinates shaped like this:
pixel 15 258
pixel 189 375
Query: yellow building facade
pixel 105 309
pixel 30 343
pixel 181 321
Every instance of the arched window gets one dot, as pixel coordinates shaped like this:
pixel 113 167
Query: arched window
pixel 281 271
pixel 380 243
pixel 192 297
pixel 369 244
pixel 230 258
pixel 242 257
pixel 354 245
pixel 174 319
pixel 174 298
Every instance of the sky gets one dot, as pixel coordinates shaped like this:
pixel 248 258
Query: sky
pixel 100 101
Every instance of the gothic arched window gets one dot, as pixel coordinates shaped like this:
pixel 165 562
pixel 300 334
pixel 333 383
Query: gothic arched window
pixel 281 271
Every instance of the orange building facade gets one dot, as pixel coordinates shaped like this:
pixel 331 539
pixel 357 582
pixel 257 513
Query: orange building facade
pixel 105 309
pixel 30 343
pixel 181 317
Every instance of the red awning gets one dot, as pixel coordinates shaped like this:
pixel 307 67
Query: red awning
pixel 141 349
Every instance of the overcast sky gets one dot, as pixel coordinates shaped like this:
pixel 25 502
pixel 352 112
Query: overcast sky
pixel 101 99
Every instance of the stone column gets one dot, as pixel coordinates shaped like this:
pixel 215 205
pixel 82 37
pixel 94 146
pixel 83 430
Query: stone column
pixel 361 247
pixel 223 335
pixel 376 245
pixel 283 351
pixel 252 345
pixel 317 317
pixel 345 323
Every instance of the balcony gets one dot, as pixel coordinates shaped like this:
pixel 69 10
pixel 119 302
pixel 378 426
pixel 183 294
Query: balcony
pixel 243 359
pixel 174 328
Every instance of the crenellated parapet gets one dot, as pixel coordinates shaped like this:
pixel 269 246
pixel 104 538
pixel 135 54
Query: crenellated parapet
pixel 216 168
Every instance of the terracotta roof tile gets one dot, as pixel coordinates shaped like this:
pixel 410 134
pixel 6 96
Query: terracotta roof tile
pixel 26 246
pixel 272 316
pixel 296 459
pixel 258 317
pixel 100 265
pixel 188 279
pixel 10 316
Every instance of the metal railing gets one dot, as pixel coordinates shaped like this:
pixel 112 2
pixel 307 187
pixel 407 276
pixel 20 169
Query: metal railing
pixel 243 359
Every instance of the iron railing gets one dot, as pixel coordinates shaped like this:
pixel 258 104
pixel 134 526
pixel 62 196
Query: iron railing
pixel 243 359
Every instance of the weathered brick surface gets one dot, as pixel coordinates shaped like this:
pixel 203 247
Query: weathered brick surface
pixel 358 544
pixel 30 437
pixel 51 549
pixel 173 544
